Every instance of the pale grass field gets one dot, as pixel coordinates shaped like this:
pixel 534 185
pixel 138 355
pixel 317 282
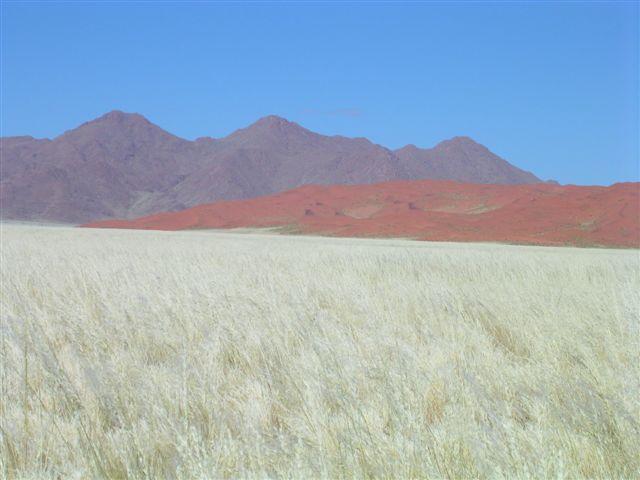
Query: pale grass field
pixel 213 355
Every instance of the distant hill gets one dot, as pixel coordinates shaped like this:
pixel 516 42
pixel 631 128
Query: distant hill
pixel 463 160
pixel 122 165
pixel 543 214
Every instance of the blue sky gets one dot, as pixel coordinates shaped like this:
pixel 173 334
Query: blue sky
pixel 552 87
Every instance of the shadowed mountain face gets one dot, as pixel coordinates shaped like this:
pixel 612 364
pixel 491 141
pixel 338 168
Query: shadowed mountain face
pixel 122 165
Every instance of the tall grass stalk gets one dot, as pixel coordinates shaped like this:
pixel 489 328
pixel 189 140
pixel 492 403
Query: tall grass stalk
pixel 140 355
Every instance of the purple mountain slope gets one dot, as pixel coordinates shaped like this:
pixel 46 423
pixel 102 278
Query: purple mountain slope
pixel 121 165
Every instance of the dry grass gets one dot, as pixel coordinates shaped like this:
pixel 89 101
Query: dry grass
pixel 210 355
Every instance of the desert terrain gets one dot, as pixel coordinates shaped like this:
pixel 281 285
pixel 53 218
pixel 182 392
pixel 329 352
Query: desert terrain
pixel 539 214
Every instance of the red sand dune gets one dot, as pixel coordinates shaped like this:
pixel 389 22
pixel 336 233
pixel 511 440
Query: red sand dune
pixel 542 214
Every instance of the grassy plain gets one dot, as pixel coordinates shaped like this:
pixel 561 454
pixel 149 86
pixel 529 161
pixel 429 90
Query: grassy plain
pixel 133 354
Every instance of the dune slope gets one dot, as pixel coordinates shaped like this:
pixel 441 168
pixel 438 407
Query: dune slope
pixel 542 214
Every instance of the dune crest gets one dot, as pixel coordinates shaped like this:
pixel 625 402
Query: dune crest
pixel 543 214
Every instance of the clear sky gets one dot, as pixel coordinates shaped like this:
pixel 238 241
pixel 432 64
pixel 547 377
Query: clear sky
pixel 551 87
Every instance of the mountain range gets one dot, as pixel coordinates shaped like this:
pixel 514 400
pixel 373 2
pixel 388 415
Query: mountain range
pixel 123 166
